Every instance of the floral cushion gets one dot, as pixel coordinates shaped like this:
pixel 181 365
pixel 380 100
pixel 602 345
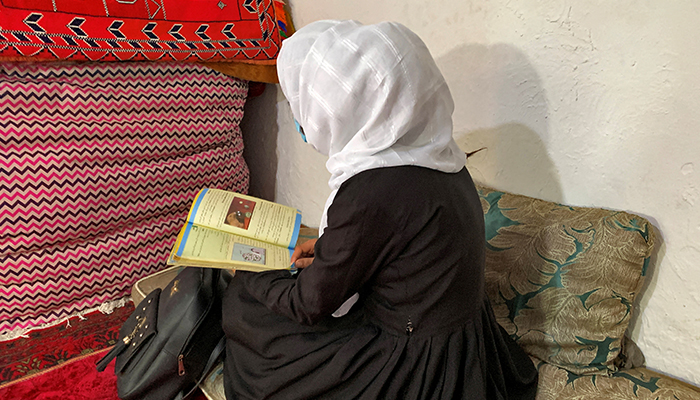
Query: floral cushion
pixel 638 383
pixel 562 280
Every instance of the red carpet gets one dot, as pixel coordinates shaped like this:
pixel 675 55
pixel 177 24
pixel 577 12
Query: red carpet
pixel 46 348
pixel 58 363
pixel 76 379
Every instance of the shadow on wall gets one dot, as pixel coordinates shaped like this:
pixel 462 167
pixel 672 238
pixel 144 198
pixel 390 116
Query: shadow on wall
pixel 500 105
pixel 259 126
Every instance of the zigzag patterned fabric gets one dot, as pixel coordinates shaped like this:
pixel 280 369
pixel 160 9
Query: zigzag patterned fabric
pixel 100 164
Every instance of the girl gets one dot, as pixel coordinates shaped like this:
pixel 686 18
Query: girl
pixel 403 231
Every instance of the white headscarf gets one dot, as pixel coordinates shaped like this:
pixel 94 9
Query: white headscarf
pixel 368 97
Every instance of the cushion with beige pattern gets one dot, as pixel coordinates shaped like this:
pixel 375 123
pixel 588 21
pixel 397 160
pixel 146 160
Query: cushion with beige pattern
pixel 561 279
pixel 635 384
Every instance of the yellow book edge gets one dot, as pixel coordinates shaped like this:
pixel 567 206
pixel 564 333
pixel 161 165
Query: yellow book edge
pixel 175 260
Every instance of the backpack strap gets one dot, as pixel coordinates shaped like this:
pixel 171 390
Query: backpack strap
pixel 111 355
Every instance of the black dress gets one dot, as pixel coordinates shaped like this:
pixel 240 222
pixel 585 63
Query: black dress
pixel 410 240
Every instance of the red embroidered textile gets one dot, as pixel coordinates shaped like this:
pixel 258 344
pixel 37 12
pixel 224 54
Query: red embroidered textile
pixel 119 30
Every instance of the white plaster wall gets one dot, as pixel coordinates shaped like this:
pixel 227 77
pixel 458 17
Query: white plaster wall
pixel 587 102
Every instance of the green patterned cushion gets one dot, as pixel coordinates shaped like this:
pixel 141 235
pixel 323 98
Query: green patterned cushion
pixel 634 384
pixel 562 280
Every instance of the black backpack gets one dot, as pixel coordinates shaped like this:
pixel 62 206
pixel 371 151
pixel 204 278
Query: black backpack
pixel 172 339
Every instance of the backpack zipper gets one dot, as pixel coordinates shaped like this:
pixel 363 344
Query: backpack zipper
pixel 181 365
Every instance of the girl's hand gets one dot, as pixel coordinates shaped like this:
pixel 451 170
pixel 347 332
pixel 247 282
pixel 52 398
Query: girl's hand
pixel 303 254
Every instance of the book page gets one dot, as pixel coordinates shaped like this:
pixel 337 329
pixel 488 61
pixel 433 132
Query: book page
pixel 202 246
pixel 246 216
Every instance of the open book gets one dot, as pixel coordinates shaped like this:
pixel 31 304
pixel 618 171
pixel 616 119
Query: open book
pixel 234 231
